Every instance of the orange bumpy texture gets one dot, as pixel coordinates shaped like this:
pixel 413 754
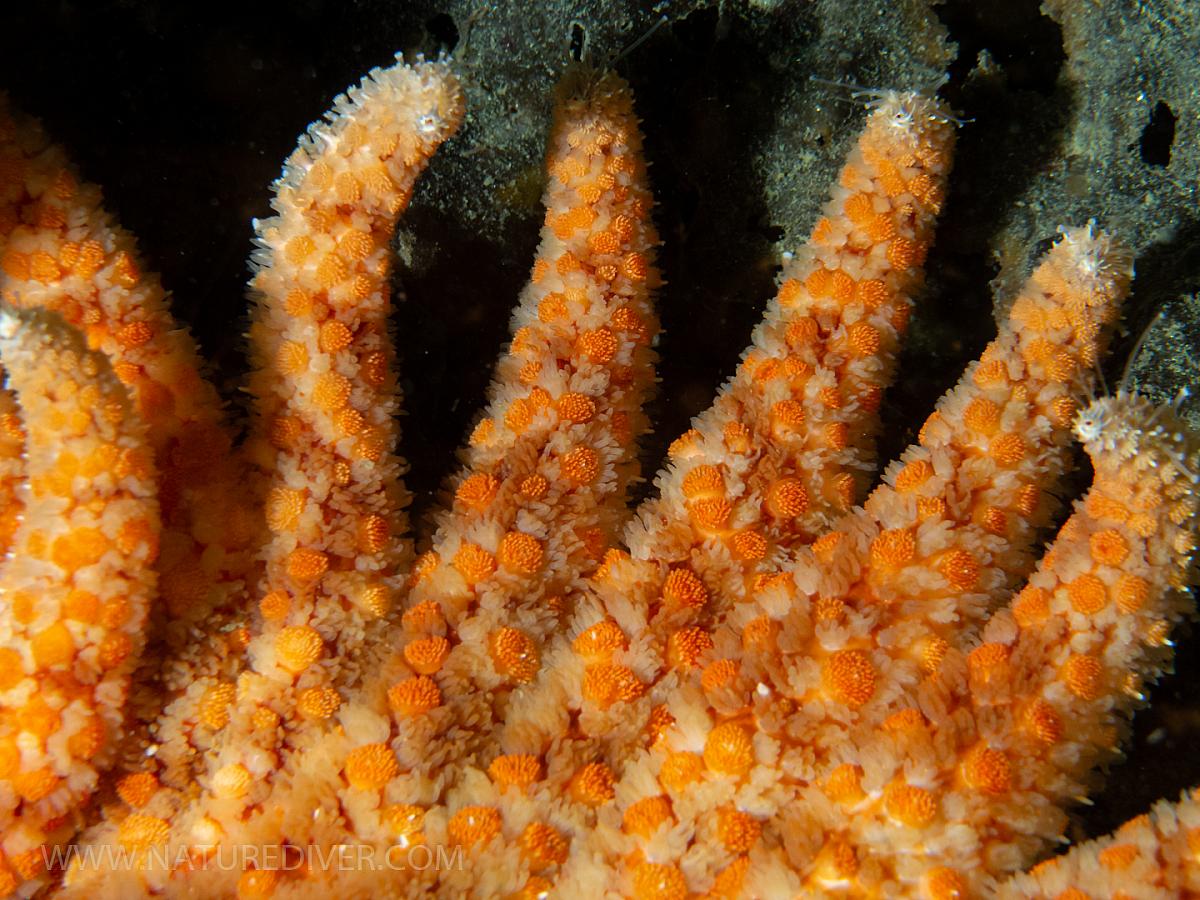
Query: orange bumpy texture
pixel 78 585
pixel 752 686
pixel 61 251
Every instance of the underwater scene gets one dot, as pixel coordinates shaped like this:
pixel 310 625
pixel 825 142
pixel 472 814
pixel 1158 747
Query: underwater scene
pixel 600 449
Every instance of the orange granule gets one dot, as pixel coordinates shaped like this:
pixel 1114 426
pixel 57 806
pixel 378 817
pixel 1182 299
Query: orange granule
pixel 594 784
pixel 1109 547
pixel 987 663
pixel 989 770
pixel 543 845
pixel 1031 606
pixel 516 770
pixel 844 784
pixel 332 392
pixel 605 684
pixel 703 481
pixel 837 861
pixel 137 789
pixel 711 514
pixel 140 832
pixel 718 674
pixel 426 655
pixel 655 881
pixel 599 345
pixel 1084 676
pixel 371 766
pixel 53 646
pixel 373 533
pixel 686 645
pixel 788 414
pixel 577 408
pixel 515 654
pixel 849 676
pixel 683 587
pixel 728 882
pixel 213 709
pixel 787 498
pixel 474 563
pixel 231 781
pixel 534 487
pixel 643 817
pixel 894 547
pixel 679 770
pixel 1044 722
pixel 904 720
pixel 750 546
pixel 305 565
pixel 1008 449
pixel 581 465
pixel 865 339
pixel 930 508
pixel 729 750
pixel 474 825
pixel 982 416
pixel 425 616
pixel 414 696
pixel 297 647
pixel 1132 592
pixel 913 475
pixel 1088 594
pixel 598 642
pixel 960 569
pixel 942 883
pixel 375 599
pixel 737 830
pixel 910 805
pixel 520 553
pixel 994 520
pixel 79 548
pixel 257 883
pixel 318 702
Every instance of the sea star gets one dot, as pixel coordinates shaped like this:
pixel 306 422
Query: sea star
pixel 770 690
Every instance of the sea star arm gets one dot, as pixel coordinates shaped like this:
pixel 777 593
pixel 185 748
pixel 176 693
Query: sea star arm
pixel 77 587
pixel 784 446
pixel 547 468
pixel 777 456
pixel 889 592
pixel 542 492
pixel 326 400
pixel 812 665
pixel 1152 855
pixel 544 487
pixel 935 548
pixel 12 468
pixel 808 719
pixel 580 387
pixel 789 439
pixel 326 395
pixel 60 250
pixel 1018 727
pixel 958 512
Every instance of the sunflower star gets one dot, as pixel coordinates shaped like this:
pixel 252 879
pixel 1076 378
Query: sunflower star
pixel 771 690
